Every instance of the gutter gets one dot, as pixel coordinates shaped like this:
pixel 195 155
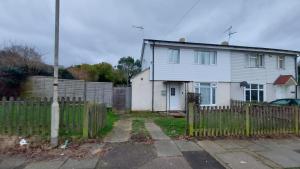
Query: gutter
pixel 224 47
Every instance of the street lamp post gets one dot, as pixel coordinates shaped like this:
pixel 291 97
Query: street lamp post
pixel 55 105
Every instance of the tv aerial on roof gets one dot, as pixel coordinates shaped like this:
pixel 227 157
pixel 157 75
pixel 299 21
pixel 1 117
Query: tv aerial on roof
pixel 229 33
pixel 138 27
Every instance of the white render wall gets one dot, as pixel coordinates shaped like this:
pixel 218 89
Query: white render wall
pixel 232 66
pixel 223 94
pixel 141 92
pixel 241 72
pixel 187 70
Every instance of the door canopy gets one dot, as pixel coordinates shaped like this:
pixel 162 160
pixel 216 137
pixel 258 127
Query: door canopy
pixel 285 80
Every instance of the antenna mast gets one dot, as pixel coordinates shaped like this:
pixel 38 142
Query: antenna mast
pixel 229 33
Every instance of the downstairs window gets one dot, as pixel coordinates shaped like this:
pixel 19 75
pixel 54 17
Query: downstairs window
pixel 207 92
pixel 254 92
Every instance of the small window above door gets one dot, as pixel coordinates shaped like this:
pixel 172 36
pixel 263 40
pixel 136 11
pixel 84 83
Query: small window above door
pixel 173 91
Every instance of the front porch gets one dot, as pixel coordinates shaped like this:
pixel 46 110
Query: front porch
pixel 176 96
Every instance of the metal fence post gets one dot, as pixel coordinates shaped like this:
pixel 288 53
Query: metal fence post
pixel 247 119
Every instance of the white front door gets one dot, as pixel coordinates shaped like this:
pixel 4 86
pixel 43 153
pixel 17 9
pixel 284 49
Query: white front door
pixel 174 94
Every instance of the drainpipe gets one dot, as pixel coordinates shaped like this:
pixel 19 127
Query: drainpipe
pixel 296 76
pixel 153 76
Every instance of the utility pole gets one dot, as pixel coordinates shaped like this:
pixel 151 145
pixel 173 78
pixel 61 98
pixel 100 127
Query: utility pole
pixel 55 105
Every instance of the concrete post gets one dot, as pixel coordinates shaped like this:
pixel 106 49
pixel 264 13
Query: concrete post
pixel 55 105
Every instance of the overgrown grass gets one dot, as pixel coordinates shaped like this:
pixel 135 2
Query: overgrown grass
pixel 138 127
pixel 139 132
pixel 110 120
pixel 172 127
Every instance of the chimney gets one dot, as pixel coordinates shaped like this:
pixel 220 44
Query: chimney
pixel 182 40
pixel 225 43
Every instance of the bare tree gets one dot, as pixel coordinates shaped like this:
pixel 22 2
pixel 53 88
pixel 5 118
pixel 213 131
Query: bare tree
pixel 23 57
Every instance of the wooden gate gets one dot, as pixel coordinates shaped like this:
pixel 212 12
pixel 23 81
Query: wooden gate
pixel 122 99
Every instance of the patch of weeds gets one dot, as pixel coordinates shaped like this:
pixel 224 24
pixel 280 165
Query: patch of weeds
pixel 172 127
pixel 111 119
pixel 139 132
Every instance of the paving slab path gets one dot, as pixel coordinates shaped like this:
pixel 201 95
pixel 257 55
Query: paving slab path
pixel 177 154
pixel 121 132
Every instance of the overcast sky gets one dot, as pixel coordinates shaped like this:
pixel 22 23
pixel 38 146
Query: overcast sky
pixel 93 31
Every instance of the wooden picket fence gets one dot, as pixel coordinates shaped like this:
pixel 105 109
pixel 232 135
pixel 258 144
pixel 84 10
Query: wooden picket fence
pixel 243 120
pixel 27 117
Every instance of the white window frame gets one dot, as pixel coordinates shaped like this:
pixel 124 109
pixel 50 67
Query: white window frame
pixel 172 59
pixel 212 56
pixel 281 58
pixel 260 60
pixel 212 86
pixel 258 90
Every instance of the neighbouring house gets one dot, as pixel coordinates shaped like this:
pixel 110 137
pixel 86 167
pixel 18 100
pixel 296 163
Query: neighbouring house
pixel 220 73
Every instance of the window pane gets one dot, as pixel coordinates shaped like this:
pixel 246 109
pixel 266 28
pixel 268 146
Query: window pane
pixel 254 86
pixel 254 95
pixel 196 58
pixel 247 95
pixel 172 91
pixel 174 56
pixel 206 58
pixel 206 85
pixel 261 96
pixel 213 58
pixel 261 86
pixel 253 61
pixel 261 60
pixel 197 90
pixel 205 95
pixel 281 62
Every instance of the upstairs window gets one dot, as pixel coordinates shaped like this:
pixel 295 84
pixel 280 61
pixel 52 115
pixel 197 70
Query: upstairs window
pixel 205 57
pixel 174 56
pixel 280 62
pixel 256 60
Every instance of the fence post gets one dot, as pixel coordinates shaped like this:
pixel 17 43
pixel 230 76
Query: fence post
pixel 247 107
pixel 85 126
pixel 191 118
pixel 296 110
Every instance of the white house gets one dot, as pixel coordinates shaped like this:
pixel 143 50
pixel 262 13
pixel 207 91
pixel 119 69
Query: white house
pixel 171 69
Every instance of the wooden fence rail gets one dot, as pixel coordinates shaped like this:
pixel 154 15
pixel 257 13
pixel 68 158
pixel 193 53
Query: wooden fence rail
pixel 33 117
pixel 243 120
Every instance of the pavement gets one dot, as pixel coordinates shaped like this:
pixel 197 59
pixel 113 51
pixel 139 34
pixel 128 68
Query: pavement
pixel 165 153
pixel 260 153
